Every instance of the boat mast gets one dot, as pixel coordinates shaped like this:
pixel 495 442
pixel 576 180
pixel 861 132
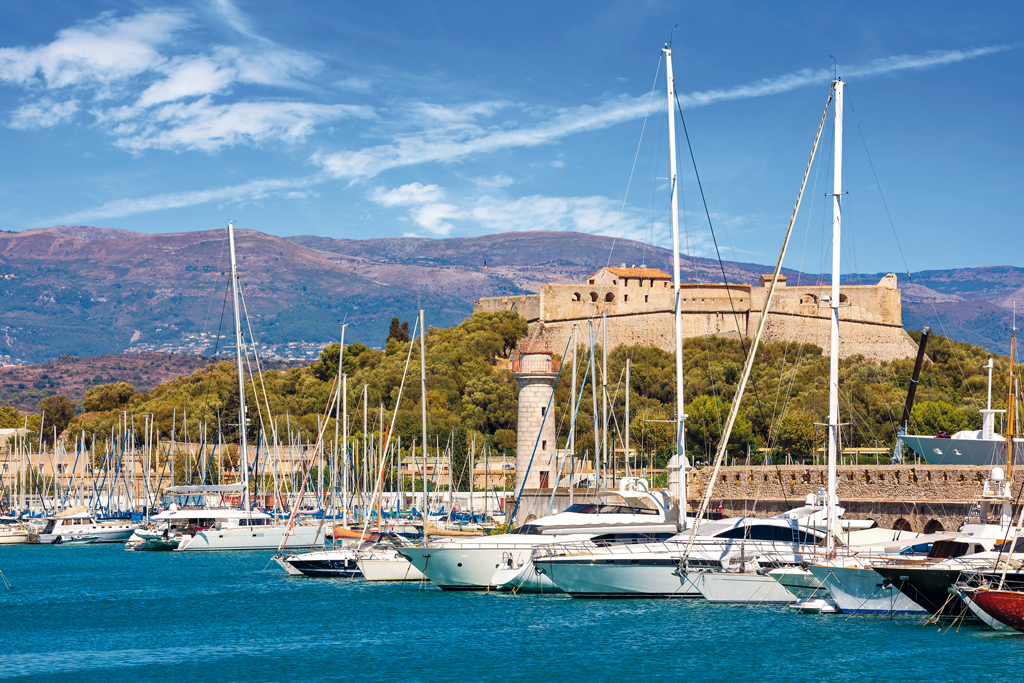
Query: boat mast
pixel 423 417
pixel 673 179
pixel 243 452
pixel 833 376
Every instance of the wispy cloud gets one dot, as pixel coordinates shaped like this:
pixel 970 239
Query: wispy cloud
pixel 251 191
pixel 428 207
pixel 442 142
pixel 147 98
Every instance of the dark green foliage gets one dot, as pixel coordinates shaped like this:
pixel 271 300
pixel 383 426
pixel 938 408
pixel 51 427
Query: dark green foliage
pixel 107 397
pixel 58 412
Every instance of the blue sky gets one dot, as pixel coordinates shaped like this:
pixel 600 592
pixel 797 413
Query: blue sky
pixel 366 120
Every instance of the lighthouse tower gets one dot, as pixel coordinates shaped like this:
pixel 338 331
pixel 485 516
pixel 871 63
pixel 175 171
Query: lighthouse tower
pixel 536 373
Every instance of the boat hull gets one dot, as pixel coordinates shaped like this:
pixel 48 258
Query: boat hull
pixel 799 582
pixel 961 451
pixel 252 538
pixel 524 579
pixel 588 577
pixel 741 587
pixel 1000 609
pixel 860 590
pixel 926 586
pixel 464 568
pixel 398 569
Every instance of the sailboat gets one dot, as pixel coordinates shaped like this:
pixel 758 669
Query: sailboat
pixel 688 564
pixel 249 529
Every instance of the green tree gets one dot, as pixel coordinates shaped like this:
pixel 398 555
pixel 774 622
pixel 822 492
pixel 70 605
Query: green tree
pixel 398 331
pixel 796 435
pixel 10 417
pixel 58 412
pixel 505 440
pixel 107 397
pixel 932 417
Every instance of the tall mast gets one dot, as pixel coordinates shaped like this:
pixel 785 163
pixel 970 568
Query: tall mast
pixel 244 452
pixel 833 373
pixel 572 432
pixel 604 399
pixel 423 416
pixel 673 179
pixel 337 419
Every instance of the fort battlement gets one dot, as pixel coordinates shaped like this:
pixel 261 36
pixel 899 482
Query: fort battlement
pixel 638 303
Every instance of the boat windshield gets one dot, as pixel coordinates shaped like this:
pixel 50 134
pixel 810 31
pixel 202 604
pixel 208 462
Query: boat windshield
pixel 595 509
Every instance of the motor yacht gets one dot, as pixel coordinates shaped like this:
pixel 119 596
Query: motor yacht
pixel 79 525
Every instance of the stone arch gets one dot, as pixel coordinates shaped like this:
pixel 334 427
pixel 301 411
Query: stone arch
pixel 843 299
pixel 809 299
pixel 609 297
pixel 576 296
pixel 933 526
pixel 901 525
pixel 593 296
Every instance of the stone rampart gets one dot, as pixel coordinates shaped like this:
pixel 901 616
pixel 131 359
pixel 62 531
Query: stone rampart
pixel 871 322
pixel 918 496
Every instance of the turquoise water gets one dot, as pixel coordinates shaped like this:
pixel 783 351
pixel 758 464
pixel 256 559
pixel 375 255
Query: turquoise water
pixel 97 613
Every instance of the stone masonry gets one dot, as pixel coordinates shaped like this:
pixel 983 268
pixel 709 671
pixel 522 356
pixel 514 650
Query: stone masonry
pixel 639 303
pixel 921 497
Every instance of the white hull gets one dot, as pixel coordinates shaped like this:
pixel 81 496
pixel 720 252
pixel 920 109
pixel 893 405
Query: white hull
pixel 464 568
pixel 14 537
pixel 963 451
pixel 252 538
pixel 799 582
pixel 524 579
pixel 397 569
pixel 623 577
pixel 740 587
pixel 859 590
pixel 90 535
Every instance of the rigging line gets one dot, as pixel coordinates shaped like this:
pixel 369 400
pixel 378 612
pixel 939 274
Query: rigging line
pixel 878 184
pixel 718 253
pixel 615 228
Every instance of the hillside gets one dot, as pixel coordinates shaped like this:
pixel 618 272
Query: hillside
pixel 88 291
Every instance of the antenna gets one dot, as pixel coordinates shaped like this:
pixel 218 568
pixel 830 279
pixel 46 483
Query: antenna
pixel 835 69
pixel 670 34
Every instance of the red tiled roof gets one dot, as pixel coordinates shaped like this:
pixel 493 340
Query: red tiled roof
pixel 645 273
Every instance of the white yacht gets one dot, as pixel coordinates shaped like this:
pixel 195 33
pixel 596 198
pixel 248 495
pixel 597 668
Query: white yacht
pixel 630 513
pixel 78 525
pixel 384 563
pixel 12 532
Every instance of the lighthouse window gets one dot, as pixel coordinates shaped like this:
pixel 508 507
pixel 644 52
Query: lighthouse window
pixel 543 445
pixel 543 411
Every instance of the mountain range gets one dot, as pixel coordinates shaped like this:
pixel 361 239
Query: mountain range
pixel 86 291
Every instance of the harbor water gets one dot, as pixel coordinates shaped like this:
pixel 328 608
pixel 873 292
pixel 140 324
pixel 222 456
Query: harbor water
pixel 97 613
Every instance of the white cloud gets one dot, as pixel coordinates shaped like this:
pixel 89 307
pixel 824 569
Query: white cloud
pixel 354 84
pixel 406 195
pixel 235 18
pixel 95 53
pixel 494 182
pixel 202 125
pixel 165 101
pixel 43 113
pixel 449 134
pixel 251 191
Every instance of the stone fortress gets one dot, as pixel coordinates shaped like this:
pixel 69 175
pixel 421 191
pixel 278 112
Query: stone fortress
pixel 639 304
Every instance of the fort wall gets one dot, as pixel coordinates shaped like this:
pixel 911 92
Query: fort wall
pixel 640 312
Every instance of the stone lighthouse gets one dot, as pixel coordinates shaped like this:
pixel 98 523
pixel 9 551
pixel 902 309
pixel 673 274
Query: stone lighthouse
pixel 536 373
